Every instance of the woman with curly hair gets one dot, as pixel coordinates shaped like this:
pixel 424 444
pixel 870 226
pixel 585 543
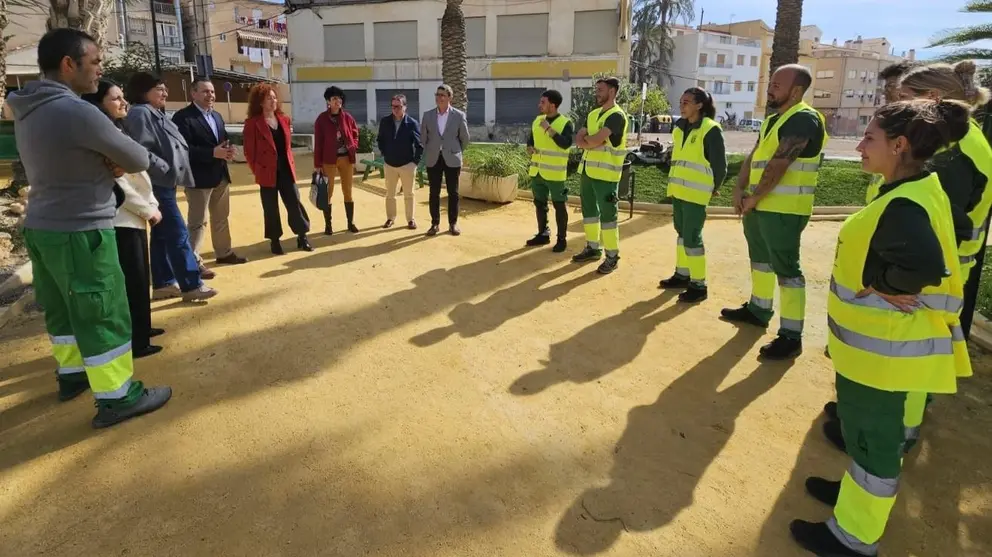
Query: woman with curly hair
pixel 269 155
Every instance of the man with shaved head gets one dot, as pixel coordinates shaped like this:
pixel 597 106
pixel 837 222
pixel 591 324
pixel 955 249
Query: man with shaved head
pixel 774 193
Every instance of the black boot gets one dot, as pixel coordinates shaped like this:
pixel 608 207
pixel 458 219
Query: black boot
pixel 349 210
pixel 588 254
pixel 71 386
pixel 327 220
pixel 561 222
pixel 674 281
pixel 693 294
pixel 823 490
pixel 782 348
pixel 817 538
pixel 543 236
pixel 835 434
pixel 830 409
pixel 303 243
pixel 742 315
pixel 276 247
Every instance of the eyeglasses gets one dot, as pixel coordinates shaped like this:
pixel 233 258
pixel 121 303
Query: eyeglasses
pixel 397 106
pixel 441 95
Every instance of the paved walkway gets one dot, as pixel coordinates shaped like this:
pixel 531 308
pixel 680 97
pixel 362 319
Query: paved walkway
pixel 394 395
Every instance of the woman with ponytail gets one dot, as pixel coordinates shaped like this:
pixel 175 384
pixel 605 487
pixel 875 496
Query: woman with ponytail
pixel 698 167
pixel 893 320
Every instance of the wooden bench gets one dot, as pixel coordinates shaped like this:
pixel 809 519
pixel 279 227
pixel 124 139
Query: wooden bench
pixel 380 165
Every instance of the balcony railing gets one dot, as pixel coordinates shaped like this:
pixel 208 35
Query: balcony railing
pixel 749 42
pixel 164 9
pixel 724 66
pixel 169 42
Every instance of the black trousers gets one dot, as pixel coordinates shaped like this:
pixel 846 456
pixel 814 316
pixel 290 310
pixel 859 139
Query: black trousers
pixel 450 175
pixel 132 250
pixel 971 289
pixel 296 213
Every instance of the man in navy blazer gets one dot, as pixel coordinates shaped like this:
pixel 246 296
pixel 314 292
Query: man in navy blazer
pixel 210 150
pixel 399 143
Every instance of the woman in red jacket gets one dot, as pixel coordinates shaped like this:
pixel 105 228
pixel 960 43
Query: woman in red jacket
pixel 269 155
pixel 335 143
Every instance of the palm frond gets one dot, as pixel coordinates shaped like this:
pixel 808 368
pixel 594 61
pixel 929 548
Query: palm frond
pixel 978 6
pixel 966 35
pixel 966 54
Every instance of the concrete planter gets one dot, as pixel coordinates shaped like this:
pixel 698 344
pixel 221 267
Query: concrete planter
pixel 359 165
pixel 496 189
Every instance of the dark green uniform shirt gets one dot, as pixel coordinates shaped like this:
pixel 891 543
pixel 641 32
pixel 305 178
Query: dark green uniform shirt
pixel 904 255
pixel 562 140
pixel 714 149
pixel 964 186
pixel 802 124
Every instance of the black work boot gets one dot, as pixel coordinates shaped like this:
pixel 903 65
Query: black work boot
pixel 835 434
pixel 543 236
pixel 151 399
pixel 830 409
pixel 588 254
pixel 561 221
pixel 71 386
pixel 742 315
pixel 782 348
pixel 609 264
pixel 674 281
pixel 349 211
pixel 327 220
pixel 817 538
pixel 693 295
pixel 823 490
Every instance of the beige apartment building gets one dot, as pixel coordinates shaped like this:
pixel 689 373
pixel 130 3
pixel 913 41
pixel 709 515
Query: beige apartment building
pixel 137 28
pixel 848 89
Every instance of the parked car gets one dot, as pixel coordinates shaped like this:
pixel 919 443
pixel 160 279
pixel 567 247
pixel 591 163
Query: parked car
pixel 753 124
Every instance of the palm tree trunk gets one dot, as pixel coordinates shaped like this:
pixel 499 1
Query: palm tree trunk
pixel 3 52
pixel 86 15
pixel 453 66
pixel 785 45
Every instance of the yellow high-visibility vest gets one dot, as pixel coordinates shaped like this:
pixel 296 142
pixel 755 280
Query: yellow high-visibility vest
pixel 976 147
pixel 549 160
pixel 794 193
pixel 606 161
pixel 873 188
pixel 874 343
pixel 691 177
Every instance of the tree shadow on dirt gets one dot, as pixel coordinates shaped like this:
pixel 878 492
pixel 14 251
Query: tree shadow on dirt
pixel 666 449
pixel 945 487
pixel 331 258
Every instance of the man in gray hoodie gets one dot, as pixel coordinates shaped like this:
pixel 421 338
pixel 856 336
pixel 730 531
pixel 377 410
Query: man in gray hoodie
pixel 71 153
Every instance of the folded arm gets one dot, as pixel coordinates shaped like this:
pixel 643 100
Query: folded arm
pixel 100 134
pixel 140 126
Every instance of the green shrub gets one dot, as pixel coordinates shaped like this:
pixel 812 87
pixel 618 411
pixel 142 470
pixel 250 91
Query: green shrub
pixel 366 139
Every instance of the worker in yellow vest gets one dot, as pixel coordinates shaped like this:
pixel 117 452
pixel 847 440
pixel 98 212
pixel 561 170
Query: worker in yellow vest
pixel 604 140
pixel 550 138
pixel 965 172
pixel 892 314
pixel 774 192
pixel 698 167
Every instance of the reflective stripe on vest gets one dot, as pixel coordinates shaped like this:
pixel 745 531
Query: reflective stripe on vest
pixel 874 343
pixel 976 147
pixel 605 162
pixel 550 160
pixel 794 192
pixel 691 175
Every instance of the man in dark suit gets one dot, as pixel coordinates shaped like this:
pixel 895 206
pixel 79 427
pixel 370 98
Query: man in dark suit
pixel 209 152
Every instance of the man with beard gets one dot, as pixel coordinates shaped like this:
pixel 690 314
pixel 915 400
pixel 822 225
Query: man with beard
pixel 774 193
pixel 604 140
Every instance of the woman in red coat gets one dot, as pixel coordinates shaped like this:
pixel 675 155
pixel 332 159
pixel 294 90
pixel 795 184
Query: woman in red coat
pixel 269 155
pixel 335 144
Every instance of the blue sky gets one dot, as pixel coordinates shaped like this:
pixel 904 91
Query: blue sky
pixel 906 23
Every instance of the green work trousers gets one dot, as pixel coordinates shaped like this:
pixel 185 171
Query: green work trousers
pixel 600 204
pixel 874 426
pixel 690 256
pixel 773 246
pixel 545 189
pixel 79 283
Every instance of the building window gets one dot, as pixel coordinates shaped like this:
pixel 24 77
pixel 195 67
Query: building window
pixel 721 60
pixel 730 105
pixel 864 74
pixel 516 105
pixel 395 40
pixel 737 86
pixel 222 37
pixel 476 107
pixel 740 59
pixel 724 39
pixel 849 93
pixel 864 120
pixel 137 26
pixel 522 35
pixel 821 94
pixel 475 37
pixel 852 74
pixel 702 59
pixel 596 32
pixel 750 86
pixel 754 61
pixel 344 42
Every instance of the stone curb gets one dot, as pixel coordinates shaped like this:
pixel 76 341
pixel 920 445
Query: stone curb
pixel 16 309
pixel 21 277
pixel 981 332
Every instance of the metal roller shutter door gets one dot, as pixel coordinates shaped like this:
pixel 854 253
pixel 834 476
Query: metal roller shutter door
pixel 517 105
pixel 476 107
pixel 383 98
pixel 355 103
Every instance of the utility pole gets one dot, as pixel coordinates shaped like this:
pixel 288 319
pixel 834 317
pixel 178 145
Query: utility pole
pixel 158 60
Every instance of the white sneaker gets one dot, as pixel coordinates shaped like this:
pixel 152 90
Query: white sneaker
pixel 202 293
pixel 166 292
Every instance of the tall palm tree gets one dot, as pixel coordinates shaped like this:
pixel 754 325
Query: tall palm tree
pixel 86 15
pixel 453 66
pixel 785 45
pixel 653 46
pixel 968 35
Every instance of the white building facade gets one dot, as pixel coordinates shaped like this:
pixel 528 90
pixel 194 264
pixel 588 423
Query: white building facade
pixel 375 49
pixel 725 65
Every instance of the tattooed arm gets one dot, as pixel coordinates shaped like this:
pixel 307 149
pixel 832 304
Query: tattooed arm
pixel 789 149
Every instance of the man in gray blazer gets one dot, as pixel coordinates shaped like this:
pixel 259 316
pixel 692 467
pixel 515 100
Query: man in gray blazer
pixel 444 131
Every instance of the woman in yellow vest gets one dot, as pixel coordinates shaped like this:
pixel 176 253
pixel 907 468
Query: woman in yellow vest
pixel 699 166
pixel 892 314
pixel 965 171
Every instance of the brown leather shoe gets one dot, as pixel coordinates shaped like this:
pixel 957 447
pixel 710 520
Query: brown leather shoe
pixel 412 225
pixel 232 259
pixel 434 229
pixel 455 231
pixel 206 274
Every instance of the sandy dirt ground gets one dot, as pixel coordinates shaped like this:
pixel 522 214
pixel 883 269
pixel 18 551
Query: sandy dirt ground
pixel 743 142
pixel 393 395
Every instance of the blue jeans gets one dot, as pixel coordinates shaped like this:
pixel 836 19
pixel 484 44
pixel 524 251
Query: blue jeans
pixel 172 257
